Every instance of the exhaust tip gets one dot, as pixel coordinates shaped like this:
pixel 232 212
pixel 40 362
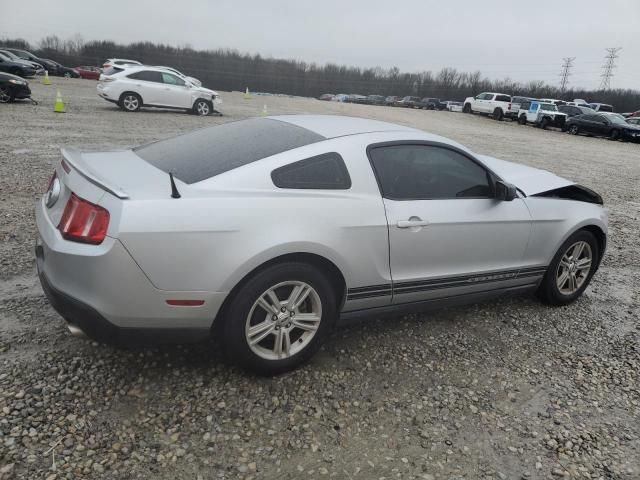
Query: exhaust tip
pixel 75 331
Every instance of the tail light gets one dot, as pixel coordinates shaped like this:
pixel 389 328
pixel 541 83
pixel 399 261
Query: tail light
pixel 83 221
pixel 509 107
pixel 107 79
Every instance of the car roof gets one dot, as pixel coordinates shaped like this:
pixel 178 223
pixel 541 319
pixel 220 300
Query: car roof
pixel 332 126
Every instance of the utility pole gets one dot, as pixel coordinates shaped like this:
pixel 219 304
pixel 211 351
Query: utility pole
pixel 610 64
pixel 567 64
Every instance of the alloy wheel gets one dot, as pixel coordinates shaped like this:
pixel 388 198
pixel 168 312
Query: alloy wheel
pixel 203 108
pixel 574 268
pixel 130 102
pixel 5 96
pixel 283 320
pixel 574 130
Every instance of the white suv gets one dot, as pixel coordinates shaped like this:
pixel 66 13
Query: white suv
pixel 496 104
pixel 144 86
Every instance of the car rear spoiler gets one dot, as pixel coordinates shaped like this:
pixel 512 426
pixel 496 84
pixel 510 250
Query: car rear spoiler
pixel 73 158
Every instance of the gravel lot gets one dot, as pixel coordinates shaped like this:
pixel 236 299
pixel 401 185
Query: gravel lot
pixel 507 390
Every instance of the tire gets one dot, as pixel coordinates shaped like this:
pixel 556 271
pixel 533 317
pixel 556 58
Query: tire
pixel 522 119
pixel 498 114
pixel 244 311
pixel 552 290
pixel 614 135
pixel 544 123
pixel 130 102
pixel 467 108
pixel 67 75
pixel 6 95
pixel 202 107
pixel 574 129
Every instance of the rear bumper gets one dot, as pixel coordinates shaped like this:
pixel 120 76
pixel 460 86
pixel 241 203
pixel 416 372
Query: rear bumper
pixel 102 290
pixel 95 326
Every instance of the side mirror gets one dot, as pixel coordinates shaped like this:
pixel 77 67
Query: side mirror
pixel 504 191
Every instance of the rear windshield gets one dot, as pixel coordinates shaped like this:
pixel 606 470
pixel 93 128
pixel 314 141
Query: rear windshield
pixel 208 152
pixel 112 70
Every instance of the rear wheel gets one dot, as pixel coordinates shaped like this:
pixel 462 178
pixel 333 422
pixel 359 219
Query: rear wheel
pixel 6 95
pixel 130 102
pixel 67 75
pixel 574 130
pixel 498 114
pixel 279 318
pixel 571 269
pixel 202 107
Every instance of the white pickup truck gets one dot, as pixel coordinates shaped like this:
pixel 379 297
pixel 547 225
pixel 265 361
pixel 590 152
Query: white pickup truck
pixel 496 104
pixel 541 114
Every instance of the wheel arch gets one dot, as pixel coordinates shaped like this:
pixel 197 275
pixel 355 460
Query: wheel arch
pixel 322 263
pixel 601 237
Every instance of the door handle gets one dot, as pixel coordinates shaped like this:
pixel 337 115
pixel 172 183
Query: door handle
pixel 412 222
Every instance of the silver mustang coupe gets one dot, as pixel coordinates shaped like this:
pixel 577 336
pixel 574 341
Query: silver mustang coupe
pixel 264 232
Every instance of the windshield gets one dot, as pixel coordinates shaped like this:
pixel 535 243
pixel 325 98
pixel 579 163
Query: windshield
pixel 616 119
pixel 546 106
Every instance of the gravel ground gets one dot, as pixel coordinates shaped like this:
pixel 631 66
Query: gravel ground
pixel 507 390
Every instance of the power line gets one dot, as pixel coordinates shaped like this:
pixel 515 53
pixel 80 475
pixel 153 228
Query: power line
pixel 608 67
pixel 567 63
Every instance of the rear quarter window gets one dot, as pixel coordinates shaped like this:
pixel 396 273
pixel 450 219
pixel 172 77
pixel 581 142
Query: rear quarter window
pixel 327 172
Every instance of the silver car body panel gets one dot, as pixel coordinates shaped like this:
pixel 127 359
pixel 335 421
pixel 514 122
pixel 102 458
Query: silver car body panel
pixel 202 245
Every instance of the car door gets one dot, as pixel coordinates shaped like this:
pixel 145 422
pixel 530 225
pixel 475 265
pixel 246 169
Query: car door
pixel 448 236
pixel 175 92
pixel 602 125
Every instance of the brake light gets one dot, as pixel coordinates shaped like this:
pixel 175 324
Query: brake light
pixel 83 221
pixel 65 166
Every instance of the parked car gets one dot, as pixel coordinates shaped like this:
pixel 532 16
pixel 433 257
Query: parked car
pixel 601 107
pixel 88 72
pixel 13 87
pixel 340 97
pixel 375 100
pixel 327 97
pixel 12 56
pixel 541 114
pixel 573 110
pixel 429 103
pixel 133 88
pixel 555 101
pixel 119 62
pixel 192 80
pixel 356 98
pixel 604 126
pixel 453 106
pixel 66 72
pixel 391 101
pixel 409 102
pixel 496 104
pixel 20 68
pixel 47 65
pixel 127 239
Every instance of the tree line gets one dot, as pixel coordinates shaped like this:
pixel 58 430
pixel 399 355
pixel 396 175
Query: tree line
pixel 228 69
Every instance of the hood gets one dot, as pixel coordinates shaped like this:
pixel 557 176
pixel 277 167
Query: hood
pixel 10 76
pixel 632 126
pixel 529 180
pixel 213 93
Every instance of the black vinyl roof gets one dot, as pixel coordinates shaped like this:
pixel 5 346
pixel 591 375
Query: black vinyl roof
pixel 205 153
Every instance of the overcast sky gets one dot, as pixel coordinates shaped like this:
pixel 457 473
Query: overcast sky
pixel 502 38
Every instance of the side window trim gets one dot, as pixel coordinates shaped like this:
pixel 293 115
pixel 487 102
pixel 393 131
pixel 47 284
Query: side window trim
pixel 492 177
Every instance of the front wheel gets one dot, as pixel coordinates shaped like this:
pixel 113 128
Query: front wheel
pixel 67 75
pixel 202 108
pixel 574 130
pixel 467 108
pixel 6 95
pixel 522 119
pixel 614 135
pixel 279 318
pixel 544 123
pixel 571 269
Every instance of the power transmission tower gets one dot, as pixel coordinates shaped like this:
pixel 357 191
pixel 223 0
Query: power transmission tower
pixel 567 63
pixel 610 64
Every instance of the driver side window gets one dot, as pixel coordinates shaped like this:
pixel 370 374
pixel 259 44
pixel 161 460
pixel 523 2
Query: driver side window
pixel 424 172
pixel 172 79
